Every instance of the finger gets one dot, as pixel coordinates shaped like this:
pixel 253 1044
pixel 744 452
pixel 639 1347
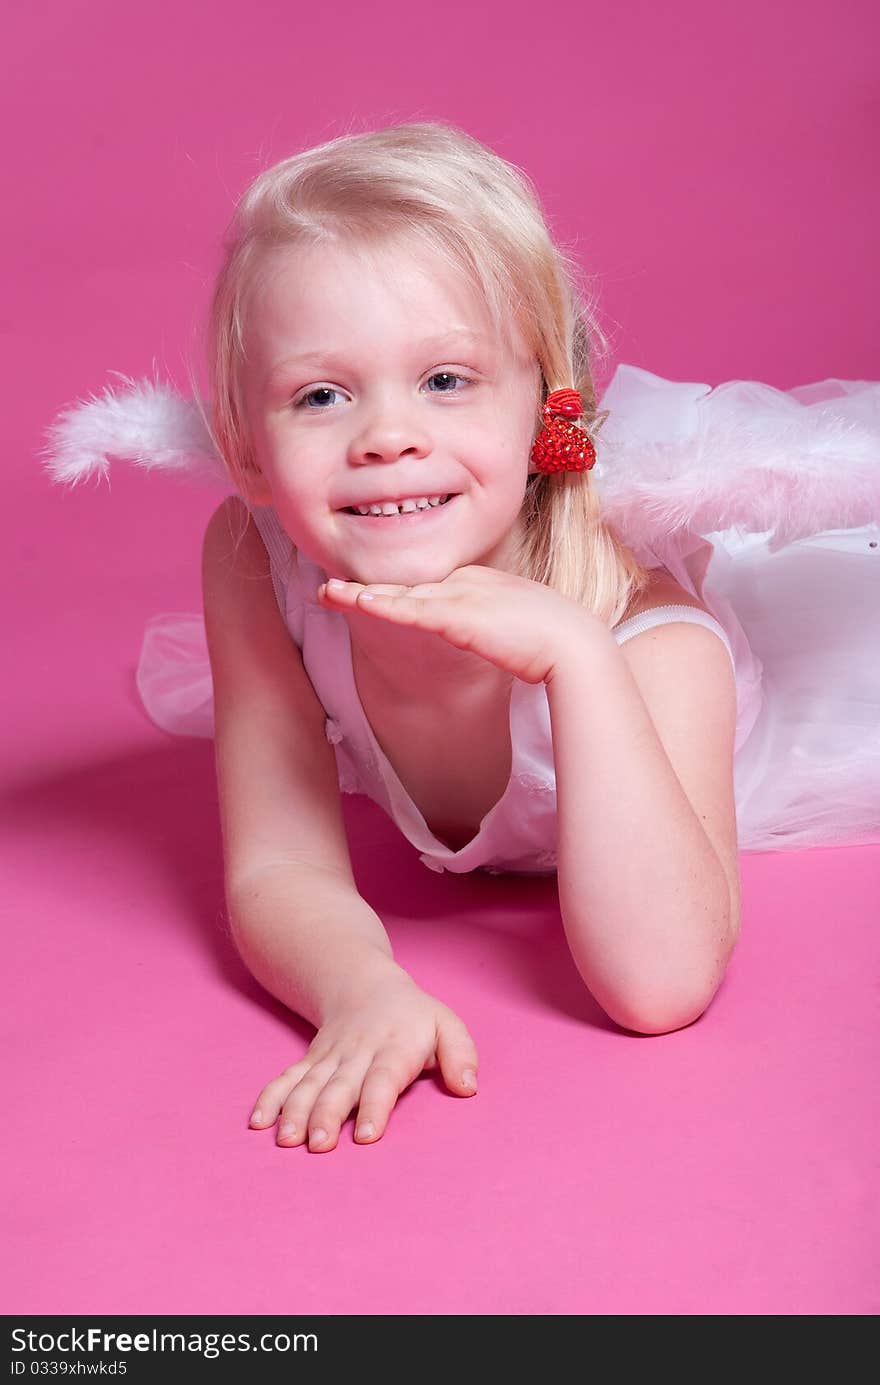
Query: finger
pixel 402 607
pixel 384 1082
pixel 334 1105
pixel 293 1122
pixel 339 592
pixel 421 589
pixel 336 588
pixel 457 1053
pixel 273 1095
pixel 425 589
pixel 386 588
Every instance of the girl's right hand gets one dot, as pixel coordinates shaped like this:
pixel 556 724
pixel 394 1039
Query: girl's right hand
pixel 365 1056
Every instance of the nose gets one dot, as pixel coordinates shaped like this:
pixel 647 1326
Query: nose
pixel 388 433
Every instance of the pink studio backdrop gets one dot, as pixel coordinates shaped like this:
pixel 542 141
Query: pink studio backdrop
pixel 715 167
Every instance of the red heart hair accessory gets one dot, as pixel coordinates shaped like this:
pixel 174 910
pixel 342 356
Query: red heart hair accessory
pixel 560 446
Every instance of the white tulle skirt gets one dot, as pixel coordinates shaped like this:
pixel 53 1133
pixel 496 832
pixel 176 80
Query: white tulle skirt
pixel 809 772
pixel 785 484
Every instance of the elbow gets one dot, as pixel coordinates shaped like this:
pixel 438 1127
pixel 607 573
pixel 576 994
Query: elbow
pixel 660 1014
pixel 664 1009
pixel 660 1017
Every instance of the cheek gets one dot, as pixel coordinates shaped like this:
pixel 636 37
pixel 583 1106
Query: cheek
pixel 300 467
pixel 496 442
pixel 516 448
pixel 302 493
pixel 514 425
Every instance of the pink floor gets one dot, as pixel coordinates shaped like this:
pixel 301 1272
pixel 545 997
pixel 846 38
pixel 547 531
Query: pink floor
pixel 729 1168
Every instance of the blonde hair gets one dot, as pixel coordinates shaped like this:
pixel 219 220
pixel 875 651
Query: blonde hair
pixel 438 185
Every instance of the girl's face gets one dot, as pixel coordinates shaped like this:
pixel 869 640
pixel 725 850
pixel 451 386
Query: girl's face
pixel 372 376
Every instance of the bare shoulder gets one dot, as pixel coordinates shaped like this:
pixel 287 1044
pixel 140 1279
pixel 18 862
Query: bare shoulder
pixel 240 607
pixel 684 646
pixel 676 651
pixel 662 590
pixel 232 541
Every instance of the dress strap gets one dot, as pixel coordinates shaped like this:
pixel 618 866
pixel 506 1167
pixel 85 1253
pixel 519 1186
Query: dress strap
pixel 664 615
pixel 279 548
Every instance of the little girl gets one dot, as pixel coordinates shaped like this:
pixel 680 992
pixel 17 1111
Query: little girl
pixel 421 589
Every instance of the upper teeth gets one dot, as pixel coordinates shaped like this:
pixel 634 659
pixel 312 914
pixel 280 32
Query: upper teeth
pixel 394 507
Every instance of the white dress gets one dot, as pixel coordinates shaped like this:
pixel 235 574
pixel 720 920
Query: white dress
pixel 763 503
pixel 518 834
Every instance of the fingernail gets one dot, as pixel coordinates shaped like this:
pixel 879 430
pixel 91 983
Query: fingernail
pixel 257 1116
pixel 366 1130
pixel 335 582
pixel 368 596
pixel 317 1137
pixel 287 1132
pixel 469 1078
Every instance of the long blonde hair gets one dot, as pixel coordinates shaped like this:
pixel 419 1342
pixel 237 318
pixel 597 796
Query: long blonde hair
pixel 441 186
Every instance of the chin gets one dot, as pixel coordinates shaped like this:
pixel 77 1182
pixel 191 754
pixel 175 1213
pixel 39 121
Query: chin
pixel 412 573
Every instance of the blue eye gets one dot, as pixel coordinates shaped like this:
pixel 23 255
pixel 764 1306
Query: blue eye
pixel 322 389
pixel 447 375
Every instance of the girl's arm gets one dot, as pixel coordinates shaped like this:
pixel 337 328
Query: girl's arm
pixel 308 937
pixel 647 854
pixel 647 867
pixel 296 916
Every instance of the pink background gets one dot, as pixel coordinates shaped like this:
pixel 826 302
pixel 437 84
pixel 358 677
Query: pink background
pixel 715 166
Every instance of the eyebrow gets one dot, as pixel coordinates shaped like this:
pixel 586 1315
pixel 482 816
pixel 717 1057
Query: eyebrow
pixel 329 356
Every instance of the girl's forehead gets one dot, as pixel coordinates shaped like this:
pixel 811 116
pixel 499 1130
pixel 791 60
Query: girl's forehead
pixel 320 289
pixel 349 273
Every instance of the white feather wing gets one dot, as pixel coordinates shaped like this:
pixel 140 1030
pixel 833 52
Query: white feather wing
pixel 148 423
pixel 787 464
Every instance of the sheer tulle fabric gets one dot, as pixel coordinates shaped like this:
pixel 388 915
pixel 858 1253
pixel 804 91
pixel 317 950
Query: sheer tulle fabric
pixel 809 773
pixel 174 674
pixel 802 613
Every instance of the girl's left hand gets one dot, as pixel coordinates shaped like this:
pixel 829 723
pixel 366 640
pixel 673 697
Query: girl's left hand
pixel 521 626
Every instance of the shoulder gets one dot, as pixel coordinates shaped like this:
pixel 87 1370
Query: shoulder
pixel 682 641
pixel 662 590
pixel 244 621
pixel 674 649
pixel 234 557
pixel 232 541
pixel 230 519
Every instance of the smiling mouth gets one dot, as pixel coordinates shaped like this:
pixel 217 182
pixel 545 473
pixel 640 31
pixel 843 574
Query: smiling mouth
pixel 409 514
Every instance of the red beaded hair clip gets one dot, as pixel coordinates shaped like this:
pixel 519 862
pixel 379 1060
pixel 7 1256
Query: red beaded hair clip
pixel 560 446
